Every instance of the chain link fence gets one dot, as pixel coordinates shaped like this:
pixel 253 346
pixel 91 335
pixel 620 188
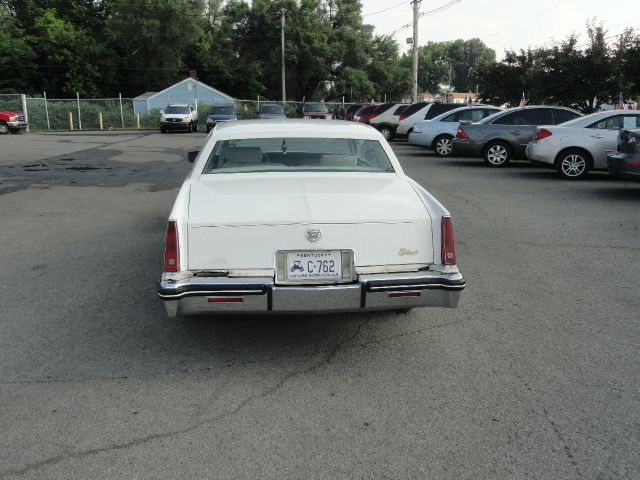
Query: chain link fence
pixel 56 114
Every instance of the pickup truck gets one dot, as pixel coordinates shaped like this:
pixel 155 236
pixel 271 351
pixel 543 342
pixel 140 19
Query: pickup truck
pixel 12 122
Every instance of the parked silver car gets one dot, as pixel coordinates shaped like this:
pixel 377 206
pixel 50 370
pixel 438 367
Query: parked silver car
pixel 505 135
pixel 439 132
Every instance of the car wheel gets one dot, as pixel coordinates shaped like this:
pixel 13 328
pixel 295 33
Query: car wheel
pixel 195 127
pixel 497 154
pixel 443 145
pixel 14 130
pixel 163 130
pixel 573 164
pixel 4 128
pixel 387 133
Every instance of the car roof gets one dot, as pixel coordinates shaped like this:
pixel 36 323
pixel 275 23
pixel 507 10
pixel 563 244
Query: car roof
pixel 455 110
pixel 294 128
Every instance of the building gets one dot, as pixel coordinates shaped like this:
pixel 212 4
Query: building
pixel 189 91
pixel 451 97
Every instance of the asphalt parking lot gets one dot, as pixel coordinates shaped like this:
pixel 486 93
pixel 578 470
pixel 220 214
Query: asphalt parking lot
pixel 535 375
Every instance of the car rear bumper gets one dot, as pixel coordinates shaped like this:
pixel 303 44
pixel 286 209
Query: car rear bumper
pixel 397 291
pixel 620 166
pixel 541 153
pixel 466 148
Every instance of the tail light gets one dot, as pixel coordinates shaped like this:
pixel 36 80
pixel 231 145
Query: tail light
pixel 462 134
pixel 543 133
pixel 366 117
pixel 171 250
pixel 447 244
pixel 403 116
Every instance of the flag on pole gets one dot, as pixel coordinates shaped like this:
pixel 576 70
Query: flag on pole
pixel 523 101
pixel 621 104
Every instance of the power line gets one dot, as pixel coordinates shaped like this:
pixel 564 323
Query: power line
pixel 385 10
pixel 558 5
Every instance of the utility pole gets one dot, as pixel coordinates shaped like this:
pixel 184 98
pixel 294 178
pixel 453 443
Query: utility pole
pixel 414 72
pixel 283 13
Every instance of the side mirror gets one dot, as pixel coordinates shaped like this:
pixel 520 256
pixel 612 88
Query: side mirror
pixel 161 112
pixel 191 156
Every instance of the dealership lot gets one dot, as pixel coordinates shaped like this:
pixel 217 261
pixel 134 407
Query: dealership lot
pixel 535 375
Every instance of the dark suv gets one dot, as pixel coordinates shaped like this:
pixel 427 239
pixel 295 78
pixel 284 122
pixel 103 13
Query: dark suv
pixel 220 113
pixel 505 135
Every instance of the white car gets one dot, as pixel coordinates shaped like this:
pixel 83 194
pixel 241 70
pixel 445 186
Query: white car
pixel 179 117
pixel 299 216
pixel 439 132
pixel 577 146
pixel 421 111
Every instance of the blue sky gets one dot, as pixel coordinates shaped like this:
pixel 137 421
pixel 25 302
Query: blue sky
pixel 502 24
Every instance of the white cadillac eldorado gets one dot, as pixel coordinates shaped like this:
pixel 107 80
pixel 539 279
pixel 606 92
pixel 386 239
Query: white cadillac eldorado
pixel 290 216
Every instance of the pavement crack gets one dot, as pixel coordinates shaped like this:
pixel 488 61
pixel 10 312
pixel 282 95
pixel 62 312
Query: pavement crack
pixel 329 356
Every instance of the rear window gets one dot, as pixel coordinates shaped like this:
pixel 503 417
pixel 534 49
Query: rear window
pixel 222 111
pixel 439 108
pixel 283 154
pixel 383 108
pixel 400 109
pixel 367 109
pixel 413 108
pixel 561 116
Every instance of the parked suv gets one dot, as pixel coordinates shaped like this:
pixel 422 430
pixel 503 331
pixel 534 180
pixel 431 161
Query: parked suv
pixel 12 122
pixel 316 110
pixel 422 111
pixel 179 117
pixel 271 110
pixel 387 118
pixel 220 113
pixel 505 135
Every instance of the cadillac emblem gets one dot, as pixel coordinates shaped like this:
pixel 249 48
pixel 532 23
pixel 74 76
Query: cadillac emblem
pixel 314 235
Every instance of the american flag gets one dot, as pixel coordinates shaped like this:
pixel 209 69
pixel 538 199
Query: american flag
pixel 621 104
pixel 523 101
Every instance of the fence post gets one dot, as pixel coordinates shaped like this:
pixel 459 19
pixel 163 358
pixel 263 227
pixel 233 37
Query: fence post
pixel 79 119
pixel 46 109
pixel 70 120
pixel 100 119
pixel 121 114
pixel 258 103
pixel 24 110
pixel 138 120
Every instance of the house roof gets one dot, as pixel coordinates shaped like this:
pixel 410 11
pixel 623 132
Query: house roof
pixel 198 83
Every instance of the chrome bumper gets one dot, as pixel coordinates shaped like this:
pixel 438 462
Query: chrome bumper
pixel 394 291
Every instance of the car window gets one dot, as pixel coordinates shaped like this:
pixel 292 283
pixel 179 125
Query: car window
pixel 561 116
pixel 631 121
pixel 526 117
pixel 507 119
pixel 400 109
pixel 487 112
pixel 610 123
pixel 440 108
pixel 273 109
pixel 472 115
pixel 451 118
pixel 545 116
pixel 383 108
pixel 293 154
pixel 411 109
pixel 222 111
pixel 315 107
pixel 176 110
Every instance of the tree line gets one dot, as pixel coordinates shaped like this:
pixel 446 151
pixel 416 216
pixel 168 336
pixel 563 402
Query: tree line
pixel 100 48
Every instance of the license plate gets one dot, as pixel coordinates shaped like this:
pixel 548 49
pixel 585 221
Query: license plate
pixel 314 265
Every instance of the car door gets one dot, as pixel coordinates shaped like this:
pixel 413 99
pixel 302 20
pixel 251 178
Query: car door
pixel 602 136
pixel 525 126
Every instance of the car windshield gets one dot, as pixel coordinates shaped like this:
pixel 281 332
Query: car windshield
pixel 222 111
pixel 294 154
pixel 174 109
pixel 315 107
pixel 271 109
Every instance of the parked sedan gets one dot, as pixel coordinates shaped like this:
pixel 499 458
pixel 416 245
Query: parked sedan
pixel 576 147
pixel 438 133
pixel 626 161
pixel 505 135
pixel 300 216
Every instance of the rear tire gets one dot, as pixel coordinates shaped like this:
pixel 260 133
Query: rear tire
pixel 497 154
pixel 4 128
pixel 443 145
pixel 573 164
pixel 387 133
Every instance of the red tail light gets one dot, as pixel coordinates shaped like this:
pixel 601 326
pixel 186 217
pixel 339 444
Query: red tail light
pixel 543 133
pixel 447 245
pixel 366 118
pixel 171 250
pixel 462 134
pixel 403 116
